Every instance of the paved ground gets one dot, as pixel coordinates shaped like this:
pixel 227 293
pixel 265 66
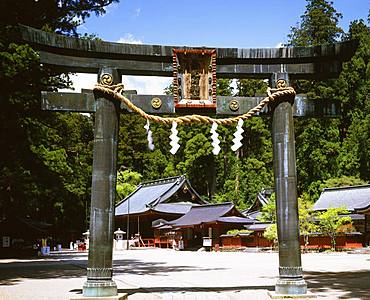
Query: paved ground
pixel 168 274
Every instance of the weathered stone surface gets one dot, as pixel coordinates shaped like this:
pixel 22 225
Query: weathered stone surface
pixel 77 102
pixel 285 178
pixel 99 270
pixel 118 297
pixel 78 55
pixel 306 296
pixel 85 102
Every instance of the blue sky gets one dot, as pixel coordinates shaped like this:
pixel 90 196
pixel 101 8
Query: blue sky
pixel 217 23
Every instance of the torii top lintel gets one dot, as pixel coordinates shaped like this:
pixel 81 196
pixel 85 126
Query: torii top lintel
pixel 88 56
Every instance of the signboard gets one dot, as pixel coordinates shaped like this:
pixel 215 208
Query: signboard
pixel 207 242
pixel 194 78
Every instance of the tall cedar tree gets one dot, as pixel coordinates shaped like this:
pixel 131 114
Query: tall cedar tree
pixel 317 140
pixel 45 170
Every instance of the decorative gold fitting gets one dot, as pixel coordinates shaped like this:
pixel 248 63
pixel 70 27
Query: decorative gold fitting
pixel 106 79
pixel 234 105
pixel 156 103
pixel 281 83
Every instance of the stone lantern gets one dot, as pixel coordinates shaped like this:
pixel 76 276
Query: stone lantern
pixel 119 239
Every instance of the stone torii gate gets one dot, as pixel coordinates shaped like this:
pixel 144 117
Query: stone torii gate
pixel 112 60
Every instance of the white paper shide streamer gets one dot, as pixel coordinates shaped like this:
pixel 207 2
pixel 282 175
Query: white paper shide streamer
pixel 174 139
pixel 238 136
pixel 215 139
pixel 149 136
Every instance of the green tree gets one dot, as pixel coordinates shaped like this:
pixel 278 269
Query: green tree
pixel 319 25
pixel 224 87
pixel 127 181
pixel 306 217
pixel 199 163
pixel 132 144
pixel 271 234
pixel 45 171
pixel 251 87
pixel 318 140
pixel 331 222
pixel 268 211
pixel 353 87
pixel 53 16
pixel 307 224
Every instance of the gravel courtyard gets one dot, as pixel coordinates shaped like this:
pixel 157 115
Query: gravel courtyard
pixel 169 274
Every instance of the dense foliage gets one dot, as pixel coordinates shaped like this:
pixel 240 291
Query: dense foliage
pixel 45 170
pixel 331 223
pixel 332 148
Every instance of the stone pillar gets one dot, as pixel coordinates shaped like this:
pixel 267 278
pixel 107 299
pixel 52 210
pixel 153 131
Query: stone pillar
pixel 99 271
pixel 285 176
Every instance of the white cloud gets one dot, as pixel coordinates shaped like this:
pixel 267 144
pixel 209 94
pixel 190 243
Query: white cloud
pixel 110 8
pixel 149 85
pixel 146 85
pixel 137 12
pixel 81 81
pixel 129 38
pixel 279 45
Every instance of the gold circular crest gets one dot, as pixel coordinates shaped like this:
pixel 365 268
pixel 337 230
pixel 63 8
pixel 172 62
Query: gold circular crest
pixel 106 79
pixel 234 105
pixel 156 103
pixel 281 83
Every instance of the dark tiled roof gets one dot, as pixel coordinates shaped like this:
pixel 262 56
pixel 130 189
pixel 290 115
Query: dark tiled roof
pixel 235 219
pixel 206 214
pixel 149 195
pixel 159 222
pixel 263 197
pixel 253 215
pixel 174 208
pixel 258 226
pixel 356 216
pixel 352 198
pixel 235 234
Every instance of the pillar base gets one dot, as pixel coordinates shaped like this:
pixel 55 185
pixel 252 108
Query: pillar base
pixel 307 296
pixel 99 288
pixel 291 286
pixel 118 297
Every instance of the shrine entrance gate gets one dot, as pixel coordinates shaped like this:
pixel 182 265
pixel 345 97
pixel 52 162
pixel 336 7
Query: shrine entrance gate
pixel 112 60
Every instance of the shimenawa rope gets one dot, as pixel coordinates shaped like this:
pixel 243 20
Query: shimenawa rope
pixel 115 91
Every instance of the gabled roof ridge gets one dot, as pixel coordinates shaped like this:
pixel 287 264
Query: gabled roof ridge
pixel 346 187
pixel 194 191
pixel 162 180
pixel 178 182
pixel 178 203
pixel 129 195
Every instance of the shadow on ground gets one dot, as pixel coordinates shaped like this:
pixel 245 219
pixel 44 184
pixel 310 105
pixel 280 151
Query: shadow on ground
pixel 65 267
pixel 12 273
pixel 349 285
pixel 353 284
pixel 138 267
pixel 149 290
